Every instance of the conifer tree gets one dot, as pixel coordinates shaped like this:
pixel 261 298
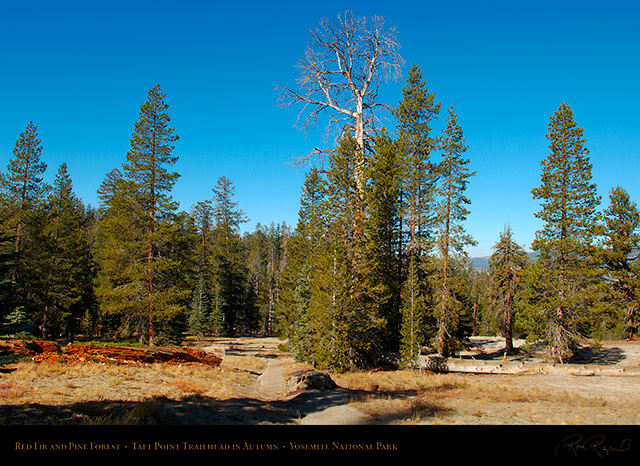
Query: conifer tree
pixel 565 267
pixel 199 317
pixel 229 271
pixel 505 268
pixel 22 194
pixel 452 238
pixel 383 270
pixel 226 213
pixel 265 259
pixel 202 213
pixel 342 323
pixel 292 318
pixel 109 187
pixel 22 184
pixel 332 280
pixel 8 284
pixel 62 274
pixel 138 227
pixel 619 255
pixel 414 114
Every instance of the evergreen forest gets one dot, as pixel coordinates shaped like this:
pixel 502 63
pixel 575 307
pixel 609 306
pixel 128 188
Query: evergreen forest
pixel 376 267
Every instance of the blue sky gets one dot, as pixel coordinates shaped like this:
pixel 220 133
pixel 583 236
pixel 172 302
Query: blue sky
pixel 81 69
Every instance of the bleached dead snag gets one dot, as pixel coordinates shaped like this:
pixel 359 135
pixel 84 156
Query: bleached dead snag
pixel 344 64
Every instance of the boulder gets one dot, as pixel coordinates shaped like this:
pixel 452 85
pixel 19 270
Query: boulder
pixel 310 379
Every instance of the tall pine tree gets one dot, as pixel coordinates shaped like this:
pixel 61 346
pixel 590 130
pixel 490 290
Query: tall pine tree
pixel 138 226
pixel 505 269
pixel 619 255
pixel 342 324
pixel 22 184
pixel 22 196
pixel 230 290
pixel 452 237
pixel 416 144
pixel 62 275
pixel 383 268
pixel 292 317
pixel 565 270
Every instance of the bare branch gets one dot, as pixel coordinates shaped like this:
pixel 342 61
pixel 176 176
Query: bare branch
pixel 345 62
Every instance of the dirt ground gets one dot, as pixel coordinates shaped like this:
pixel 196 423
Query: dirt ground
pixel 248 388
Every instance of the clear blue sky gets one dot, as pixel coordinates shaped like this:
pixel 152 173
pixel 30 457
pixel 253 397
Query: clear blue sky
pixel 81 69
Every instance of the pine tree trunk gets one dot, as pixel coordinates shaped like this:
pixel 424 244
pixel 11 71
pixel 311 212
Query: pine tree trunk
pixel 632 325
pixel 508 331
pixel 475 318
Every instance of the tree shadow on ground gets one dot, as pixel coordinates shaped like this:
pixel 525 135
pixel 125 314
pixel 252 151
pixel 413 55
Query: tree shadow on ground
pixel 481 353
pixel 586 355
pixel 198 410
pixel 599 356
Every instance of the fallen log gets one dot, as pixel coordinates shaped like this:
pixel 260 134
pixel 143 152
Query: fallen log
pixel 79 353
pixel 488 370
pixel 128 355
pixel 28 347
pixel 435 363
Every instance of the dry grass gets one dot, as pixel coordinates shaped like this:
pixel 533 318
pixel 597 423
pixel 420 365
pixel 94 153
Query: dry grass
pixel 406 397
pixel 55 383
pixel 398 381
pixel 111 394
pixel 96 393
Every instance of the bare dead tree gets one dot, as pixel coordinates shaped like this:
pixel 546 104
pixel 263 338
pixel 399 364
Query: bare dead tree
pixel 344 64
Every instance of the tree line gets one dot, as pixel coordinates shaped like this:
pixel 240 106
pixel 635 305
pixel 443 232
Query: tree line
pixel 376 265
pixel 134 266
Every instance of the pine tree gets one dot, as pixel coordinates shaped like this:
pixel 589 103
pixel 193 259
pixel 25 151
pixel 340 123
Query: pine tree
pixel 138 227
pixel 292 317
pixel 505 268
pixel 8 284
pixel 265 260
pixel 226 213
pixel 452 238
pixel 22 191
pixel 62 274
pixel 228 262
pixel 22 194
pixel 201 213
pixel 332 264
pixel 383 270
pixel 22 184
pixel 417 197
pixel 108 188
pixel 199 317
pixel 619 254
pixel 414 114
pixel 342 323
pixel 565 269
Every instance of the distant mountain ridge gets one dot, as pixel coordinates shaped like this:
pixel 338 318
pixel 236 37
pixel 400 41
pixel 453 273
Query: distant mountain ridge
pixel 482 263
